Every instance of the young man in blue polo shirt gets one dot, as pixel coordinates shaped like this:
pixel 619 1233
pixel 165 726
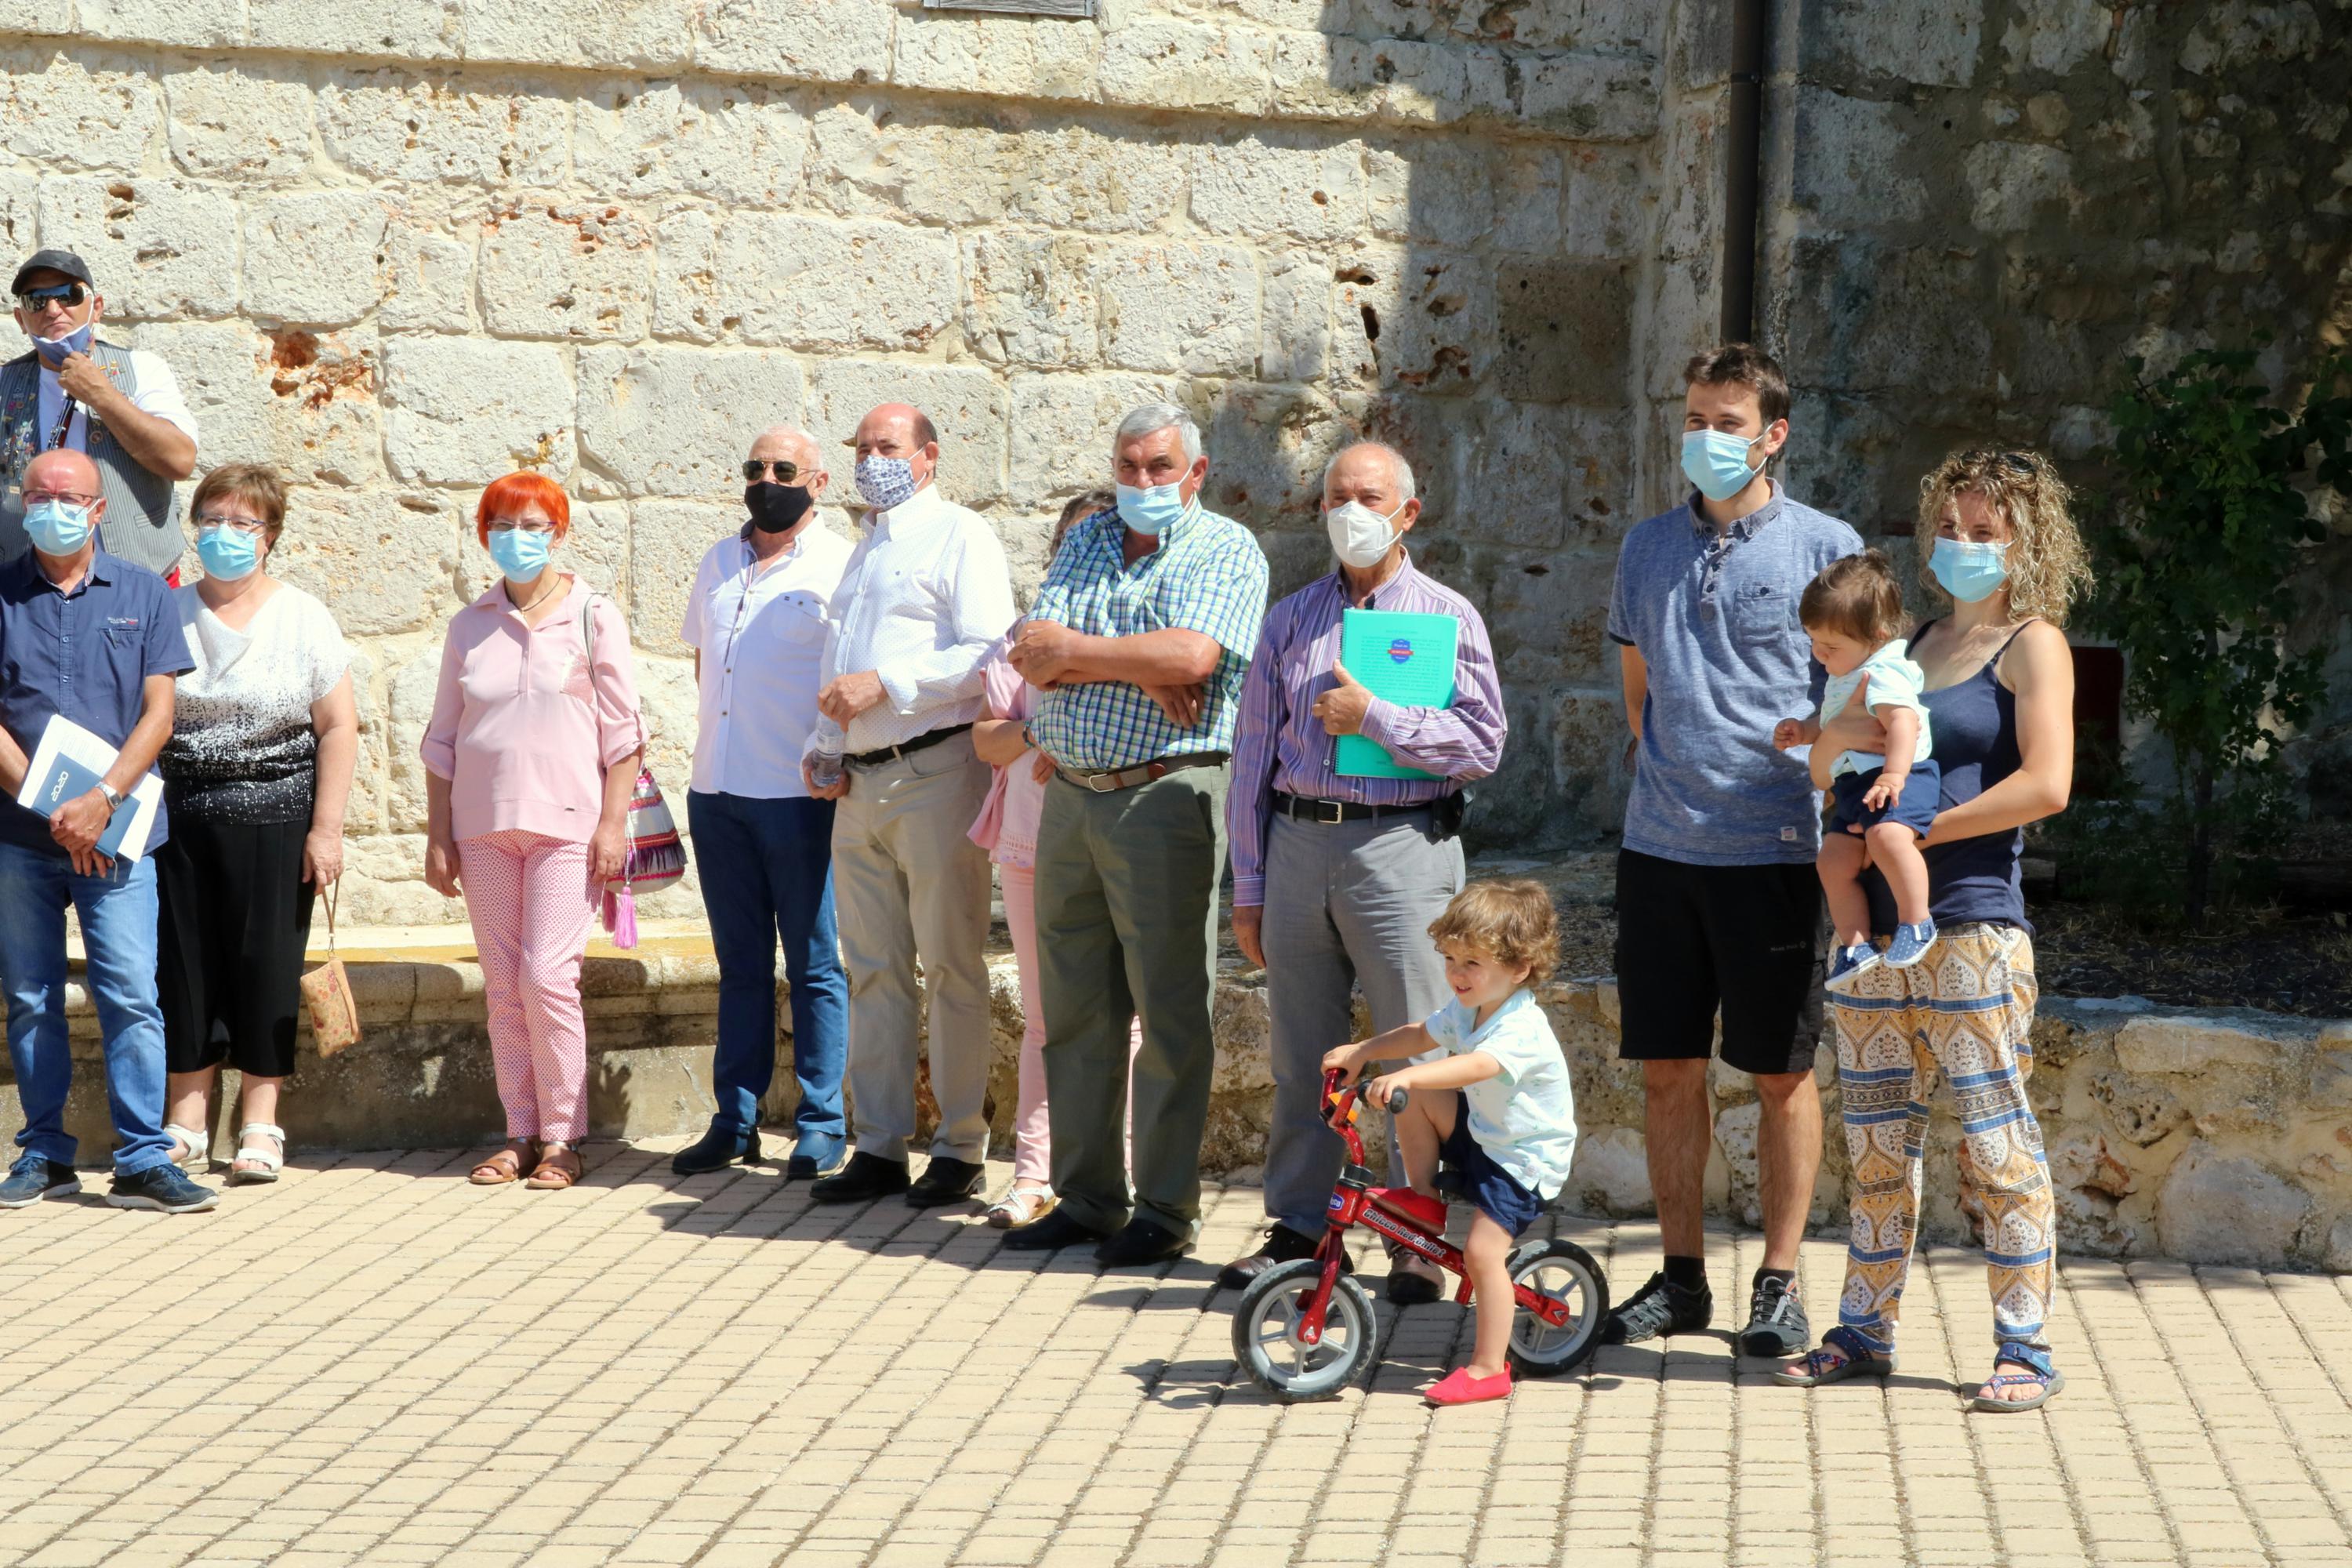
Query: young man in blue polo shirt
pixel 98 640
pixel 1717 904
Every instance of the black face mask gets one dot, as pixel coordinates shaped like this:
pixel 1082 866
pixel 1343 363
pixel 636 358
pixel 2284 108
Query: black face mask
pixel 774 508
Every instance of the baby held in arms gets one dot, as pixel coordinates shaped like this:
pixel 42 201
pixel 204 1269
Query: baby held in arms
pixel 1885 805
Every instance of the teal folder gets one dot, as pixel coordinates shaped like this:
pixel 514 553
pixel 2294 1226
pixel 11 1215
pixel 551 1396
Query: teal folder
pixel 1405 658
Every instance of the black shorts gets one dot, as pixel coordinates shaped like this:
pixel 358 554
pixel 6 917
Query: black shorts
pixel 1747 939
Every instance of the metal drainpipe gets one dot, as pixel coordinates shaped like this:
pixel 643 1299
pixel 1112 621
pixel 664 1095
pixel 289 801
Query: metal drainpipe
pixel 1743 172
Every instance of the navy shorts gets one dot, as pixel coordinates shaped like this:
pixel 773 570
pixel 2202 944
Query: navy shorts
pixel 1922 797
pixel 1495 1191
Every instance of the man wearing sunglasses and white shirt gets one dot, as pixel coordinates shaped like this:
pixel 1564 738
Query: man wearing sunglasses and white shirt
pixel 119 407
pixel 757 622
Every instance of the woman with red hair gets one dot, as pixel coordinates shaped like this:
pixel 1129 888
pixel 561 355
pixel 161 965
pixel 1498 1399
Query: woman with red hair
pixel 529 757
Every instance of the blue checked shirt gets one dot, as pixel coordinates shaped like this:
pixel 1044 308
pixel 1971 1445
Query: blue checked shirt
pixel 1207 577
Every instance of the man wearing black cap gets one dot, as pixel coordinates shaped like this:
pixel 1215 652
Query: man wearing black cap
pixel 120 406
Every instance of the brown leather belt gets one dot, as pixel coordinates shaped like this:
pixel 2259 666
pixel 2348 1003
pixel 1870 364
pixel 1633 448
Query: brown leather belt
pixel 1110 780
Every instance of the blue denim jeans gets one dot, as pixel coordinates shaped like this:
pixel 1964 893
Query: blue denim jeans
pixel 118 929
pixel 767 874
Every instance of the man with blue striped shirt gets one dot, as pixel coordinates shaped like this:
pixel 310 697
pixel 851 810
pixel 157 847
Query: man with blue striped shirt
pixel 1137 641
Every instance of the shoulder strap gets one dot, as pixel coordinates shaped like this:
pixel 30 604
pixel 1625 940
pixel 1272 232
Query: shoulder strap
pixel 588 627
pixel 2011 638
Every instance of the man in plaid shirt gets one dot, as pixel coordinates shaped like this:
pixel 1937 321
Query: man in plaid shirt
pixel 1138 641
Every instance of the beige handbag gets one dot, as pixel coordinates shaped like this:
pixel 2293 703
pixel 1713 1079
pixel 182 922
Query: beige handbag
pixel 327 993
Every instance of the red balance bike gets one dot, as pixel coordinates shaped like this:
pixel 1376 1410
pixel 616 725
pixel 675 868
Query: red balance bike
pixel 1306 1331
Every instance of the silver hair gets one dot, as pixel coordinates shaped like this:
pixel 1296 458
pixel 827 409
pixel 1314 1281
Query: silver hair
pixel 1403 469
pixel 1153 419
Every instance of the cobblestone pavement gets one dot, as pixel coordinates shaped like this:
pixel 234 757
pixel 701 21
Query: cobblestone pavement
pixel 375 1363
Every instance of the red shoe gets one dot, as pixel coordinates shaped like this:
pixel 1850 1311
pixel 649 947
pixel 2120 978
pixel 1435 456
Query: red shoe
pixel 1458 1387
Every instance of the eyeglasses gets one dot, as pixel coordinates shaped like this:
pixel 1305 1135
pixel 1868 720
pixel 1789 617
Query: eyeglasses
pixel 69 295
pixel 70 497
pixel 786 473
pixel 519 525
pixel 222 520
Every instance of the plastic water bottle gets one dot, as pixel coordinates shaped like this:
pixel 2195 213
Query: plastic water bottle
pixel 825 763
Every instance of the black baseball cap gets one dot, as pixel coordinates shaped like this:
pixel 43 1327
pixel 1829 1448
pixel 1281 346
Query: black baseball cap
pixel 64 261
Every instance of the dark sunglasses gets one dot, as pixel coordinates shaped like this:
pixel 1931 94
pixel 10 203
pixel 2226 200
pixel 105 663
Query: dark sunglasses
pixel 786 473
pixel 2017 463
pixel 69 295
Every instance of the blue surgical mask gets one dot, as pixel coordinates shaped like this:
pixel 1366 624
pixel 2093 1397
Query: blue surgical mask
pixel 520 553
pixel 1969 571
pixel 53 351
pixel 1717 463
pixel 57 527
pixel 1151 513
pixel 229 554
pixel 885 482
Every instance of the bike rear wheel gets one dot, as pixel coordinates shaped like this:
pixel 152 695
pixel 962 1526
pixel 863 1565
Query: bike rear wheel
pixel 1564 1272
pixel 1267 1341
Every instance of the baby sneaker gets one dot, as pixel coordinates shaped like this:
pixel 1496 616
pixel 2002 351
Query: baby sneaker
pixel 1910 944
pixel 1849 965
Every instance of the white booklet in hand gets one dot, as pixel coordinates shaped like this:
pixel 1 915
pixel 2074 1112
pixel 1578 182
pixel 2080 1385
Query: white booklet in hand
pixel 67 765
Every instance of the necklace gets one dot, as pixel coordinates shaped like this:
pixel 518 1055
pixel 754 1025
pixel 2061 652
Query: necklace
pixel 544 594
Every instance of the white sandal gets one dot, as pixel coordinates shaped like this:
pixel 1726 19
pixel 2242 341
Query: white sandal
pixel 1019 1207
pixel 270 1161
pixel 198 1145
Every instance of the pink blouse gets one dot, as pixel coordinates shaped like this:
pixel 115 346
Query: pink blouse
pixel 523 728
pixel 1007 824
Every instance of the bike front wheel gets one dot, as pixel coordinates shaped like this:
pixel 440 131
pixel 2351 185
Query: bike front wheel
pixel 1566 1273
pixel 1266 1333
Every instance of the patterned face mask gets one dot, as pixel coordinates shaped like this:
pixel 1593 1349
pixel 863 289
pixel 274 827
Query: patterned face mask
pixel 885 482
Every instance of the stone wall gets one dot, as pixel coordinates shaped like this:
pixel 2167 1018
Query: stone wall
pixel 1974 212
pixel 398 248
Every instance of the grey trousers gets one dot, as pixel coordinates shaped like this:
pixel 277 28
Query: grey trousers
pixel 1126 921
pixel 908 883
pixel 1346 904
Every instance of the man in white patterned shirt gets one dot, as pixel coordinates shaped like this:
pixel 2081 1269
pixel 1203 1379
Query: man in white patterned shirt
pixel 922 601
pixel 1138 641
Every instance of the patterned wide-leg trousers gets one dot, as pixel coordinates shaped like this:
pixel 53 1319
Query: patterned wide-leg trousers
pixel 534 908
pixel 1963 1014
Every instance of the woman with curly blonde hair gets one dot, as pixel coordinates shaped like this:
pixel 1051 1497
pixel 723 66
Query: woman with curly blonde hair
pixel 1996 541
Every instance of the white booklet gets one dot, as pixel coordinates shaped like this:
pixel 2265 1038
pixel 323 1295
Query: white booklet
pixel 67 765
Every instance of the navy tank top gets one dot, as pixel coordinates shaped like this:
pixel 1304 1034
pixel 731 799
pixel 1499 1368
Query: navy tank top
pixel 1975 745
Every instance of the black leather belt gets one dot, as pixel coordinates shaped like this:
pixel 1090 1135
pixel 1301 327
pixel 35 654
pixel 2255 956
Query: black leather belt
pixel 905 748
pixel 1330 811
pixel 1109 781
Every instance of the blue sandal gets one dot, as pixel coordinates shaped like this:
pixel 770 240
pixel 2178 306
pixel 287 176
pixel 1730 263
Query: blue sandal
pixel 1819 1370
pixel 2039 1370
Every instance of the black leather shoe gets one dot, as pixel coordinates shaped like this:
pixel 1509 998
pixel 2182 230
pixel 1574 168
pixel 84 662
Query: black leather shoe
pixel 1283 1245
pixel 1413 1280
pixel 865 1176
pixel 1143 1241
pixel 946 1181
pixel 715 1151
pixel 1057 1229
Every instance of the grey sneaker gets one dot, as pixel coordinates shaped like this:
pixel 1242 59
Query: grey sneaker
pixel 1659 1307
pixel 34 1177
pixel 1910 944
pixel 1777 1326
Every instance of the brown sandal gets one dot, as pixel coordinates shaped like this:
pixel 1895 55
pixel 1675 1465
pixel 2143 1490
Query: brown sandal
pixel 558 1169
pixel 506 1165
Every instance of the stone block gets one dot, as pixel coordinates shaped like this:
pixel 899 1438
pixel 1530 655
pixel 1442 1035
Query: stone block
pixel 1540 477
pixel 1060 426
pixel 2219 1208
pixel 1591 97
pixel 1873 317
pixel 2054 37
pixel 414 678
pixel 551 271
pixel 200 24
pixel 1608 198
pixel 397 29
pixel 382 560
pixel 247 120
pixel 809 40
pixel 315 260
pixel 1455 194
pixel 429 278
pixel 868 160
pixel 1589 780
pixel 502 132
pixel 1028 300
pixel 806 283
pixel 1295 317
pixel 686 302
pixel 1564 330
pixel 462 411
pixel 1267 446
pixel 2188 1042
pixel 1549 616
pixel 1175 65
pixel 663 420
pixel 668 540
pixel 966 403
pixel 1305 185
pixel 1857 170
pixel 1934 43
pixel 1114 178
pixel 1610 1174
pixel 2339 1246
pixel 1178 307
pixel 90 110
pixel 304 402
pixel 610 35
pixel 1317 76
pixel 20 201
pixel 737 142
pixel 1002 57
pixel 1413 320
pixel 159 247
pixel 2017 185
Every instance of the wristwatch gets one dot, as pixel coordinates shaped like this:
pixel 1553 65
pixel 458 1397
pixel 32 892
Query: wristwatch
pixel 114 796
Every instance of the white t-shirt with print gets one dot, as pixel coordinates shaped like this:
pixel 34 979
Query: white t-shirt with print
pixel 1524 1116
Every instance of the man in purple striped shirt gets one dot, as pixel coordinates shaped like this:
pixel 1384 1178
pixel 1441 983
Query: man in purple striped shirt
pixel 1336 880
